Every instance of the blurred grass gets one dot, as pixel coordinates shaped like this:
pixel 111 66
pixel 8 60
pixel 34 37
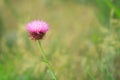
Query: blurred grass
pixel 82 44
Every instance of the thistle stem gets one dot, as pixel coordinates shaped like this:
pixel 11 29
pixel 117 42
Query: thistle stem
pixel 46 61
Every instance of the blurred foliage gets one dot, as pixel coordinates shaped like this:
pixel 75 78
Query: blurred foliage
pixel 104 12
pixel 82 44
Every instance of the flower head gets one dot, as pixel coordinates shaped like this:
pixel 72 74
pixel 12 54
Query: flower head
pixel 37 29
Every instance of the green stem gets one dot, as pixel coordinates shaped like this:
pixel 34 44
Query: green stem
pixel 46 61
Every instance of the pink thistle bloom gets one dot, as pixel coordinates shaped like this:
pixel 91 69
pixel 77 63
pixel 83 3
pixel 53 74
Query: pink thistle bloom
pixel 37 29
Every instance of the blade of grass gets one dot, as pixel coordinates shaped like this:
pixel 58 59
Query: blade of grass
pixel 109 4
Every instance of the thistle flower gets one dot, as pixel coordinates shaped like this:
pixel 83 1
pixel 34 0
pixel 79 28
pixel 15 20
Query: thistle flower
pixel 37 29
